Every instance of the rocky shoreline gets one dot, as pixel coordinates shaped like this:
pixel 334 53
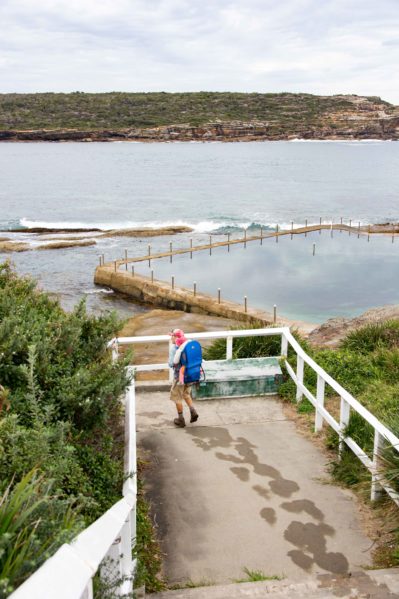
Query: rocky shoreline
pixel 89 236
pixel 381 128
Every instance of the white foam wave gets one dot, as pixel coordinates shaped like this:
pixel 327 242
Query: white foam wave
pixel 338 141
pixel 199 227
pixel 93 291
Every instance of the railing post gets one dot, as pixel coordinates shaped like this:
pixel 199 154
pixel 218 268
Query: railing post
pixel 229 348
pixel 88 592
pixel 111 569
pixel 376 489
pixel 171 369
pixel 126 559
pixel 128 533
pixel 318 424
pixel 343 423
pixel 115 351
pixel 299 376
pixel 284 345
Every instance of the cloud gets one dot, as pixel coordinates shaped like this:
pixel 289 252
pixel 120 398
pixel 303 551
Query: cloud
pixel 315 46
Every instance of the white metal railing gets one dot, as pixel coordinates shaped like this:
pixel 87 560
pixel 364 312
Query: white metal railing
pixel 69 572
pixel 382 435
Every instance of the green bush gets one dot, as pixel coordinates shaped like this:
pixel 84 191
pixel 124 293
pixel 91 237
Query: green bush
pixel 34 521
pixel 60 411
pixel 251 347
pixel 373 336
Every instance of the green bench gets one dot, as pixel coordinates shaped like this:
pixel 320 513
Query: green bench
pixel 239 378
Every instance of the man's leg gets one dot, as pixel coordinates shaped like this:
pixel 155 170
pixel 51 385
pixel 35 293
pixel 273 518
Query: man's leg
pixel 176 394
pixel 189 401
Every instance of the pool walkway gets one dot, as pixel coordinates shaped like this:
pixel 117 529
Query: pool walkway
pixel 241 490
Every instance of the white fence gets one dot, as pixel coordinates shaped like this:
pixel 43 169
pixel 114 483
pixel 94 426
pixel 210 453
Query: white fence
pixel 69 573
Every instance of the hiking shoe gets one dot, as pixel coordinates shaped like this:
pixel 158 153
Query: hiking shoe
pixel 194 417
pixel 180 422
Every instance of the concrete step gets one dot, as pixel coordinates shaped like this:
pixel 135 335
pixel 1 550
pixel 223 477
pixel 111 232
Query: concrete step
pixel 152 386
pixel 370 584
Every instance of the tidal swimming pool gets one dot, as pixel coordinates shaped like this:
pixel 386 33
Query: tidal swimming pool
pixel 345 276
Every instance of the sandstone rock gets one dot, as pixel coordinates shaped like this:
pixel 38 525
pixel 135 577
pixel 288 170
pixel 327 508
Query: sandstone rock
pixel 332 332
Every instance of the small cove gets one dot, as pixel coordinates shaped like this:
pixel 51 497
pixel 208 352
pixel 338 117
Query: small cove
pixel 346 276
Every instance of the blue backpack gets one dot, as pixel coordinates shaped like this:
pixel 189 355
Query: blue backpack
pixel 191 359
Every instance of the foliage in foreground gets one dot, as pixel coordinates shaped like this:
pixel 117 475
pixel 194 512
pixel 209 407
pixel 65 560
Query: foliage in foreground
pixel 59 419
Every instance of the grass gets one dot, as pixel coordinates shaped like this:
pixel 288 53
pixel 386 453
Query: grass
pixel 257 576
pixel 190 584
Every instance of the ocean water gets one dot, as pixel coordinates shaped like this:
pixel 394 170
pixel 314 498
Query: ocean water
pixel 213 187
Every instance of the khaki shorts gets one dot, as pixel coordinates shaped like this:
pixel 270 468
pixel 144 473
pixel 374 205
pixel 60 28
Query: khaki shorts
pixel 180 393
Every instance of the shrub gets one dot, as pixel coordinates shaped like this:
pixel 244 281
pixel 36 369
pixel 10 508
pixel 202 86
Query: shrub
pixel 60 410
pixel 33 523
pixel 251 347
pixel 373 336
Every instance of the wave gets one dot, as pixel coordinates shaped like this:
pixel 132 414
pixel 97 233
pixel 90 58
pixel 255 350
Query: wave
pixel 217 225
pixel 204 226
pixel 338 141
pixel 94 291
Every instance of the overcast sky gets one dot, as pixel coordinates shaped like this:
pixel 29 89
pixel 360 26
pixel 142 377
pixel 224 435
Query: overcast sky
pixel 314 46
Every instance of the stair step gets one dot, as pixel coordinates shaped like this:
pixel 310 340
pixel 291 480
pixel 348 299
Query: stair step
pixel 370 584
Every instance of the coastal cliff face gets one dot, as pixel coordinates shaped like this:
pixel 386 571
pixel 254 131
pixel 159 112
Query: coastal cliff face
pixel 336 117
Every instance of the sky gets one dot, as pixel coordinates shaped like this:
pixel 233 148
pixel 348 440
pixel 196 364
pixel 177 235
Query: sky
pixel 314 46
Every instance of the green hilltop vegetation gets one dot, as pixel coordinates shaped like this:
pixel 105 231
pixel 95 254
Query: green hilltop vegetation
pixel 119 110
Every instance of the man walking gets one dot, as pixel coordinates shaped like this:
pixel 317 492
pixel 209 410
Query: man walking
pixel 180 392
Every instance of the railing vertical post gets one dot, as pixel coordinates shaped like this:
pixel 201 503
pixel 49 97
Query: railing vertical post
pixel 376 488
pixel 171 369
pixel 128 533
pixel 343 423
pixel 318 424
pixel 125 259
pixel 126 558
pixel 88 592
pixel 111 568
pixel 284 345
pixel 229 348
pixel 115 351
pixel 299 376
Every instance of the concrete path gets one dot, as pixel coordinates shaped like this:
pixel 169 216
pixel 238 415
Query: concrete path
pixel 242 489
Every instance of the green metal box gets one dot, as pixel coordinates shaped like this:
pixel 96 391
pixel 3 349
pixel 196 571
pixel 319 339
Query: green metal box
pixel 239 378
